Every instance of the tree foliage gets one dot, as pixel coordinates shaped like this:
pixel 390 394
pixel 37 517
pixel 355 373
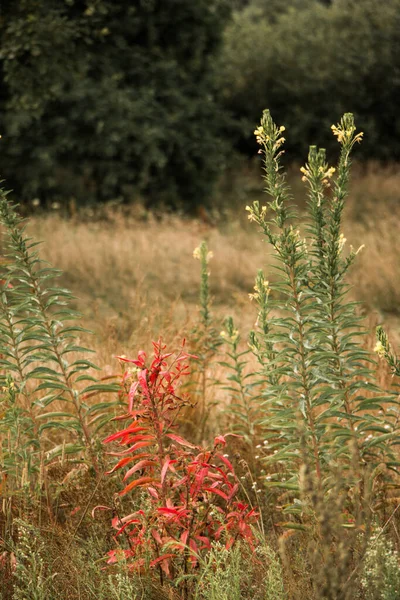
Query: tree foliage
pixel 104 98
pixel 331 57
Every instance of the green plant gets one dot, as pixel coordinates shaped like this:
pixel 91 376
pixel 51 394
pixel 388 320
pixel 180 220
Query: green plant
pixel 32 578
pixel 318 385
pixel 384 350
pixel 244 406
pixel 381 573
pixel 39 347
pixel 204 338
pixel 221 574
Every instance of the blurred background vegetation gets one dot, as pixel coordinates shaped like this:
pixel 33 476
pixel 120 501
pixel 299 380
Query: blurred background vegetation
pixel 155 100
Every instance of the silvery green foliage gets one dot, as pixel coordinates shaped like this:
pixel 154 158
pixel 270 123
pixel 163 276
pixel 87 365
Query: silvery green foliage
pixel 243 409
pixel 32 579
pixel 221 575
pixel 318 397
pixel 39 346
pixel 381 574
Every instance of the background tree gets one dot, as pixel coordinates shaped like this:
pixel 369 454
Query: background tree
pixel 105 98
pixel 331 57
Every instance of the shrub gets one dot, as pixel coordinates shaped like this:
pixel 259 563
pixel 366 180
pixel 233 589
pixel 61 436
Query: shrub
pixel 181 518
pixel 105 100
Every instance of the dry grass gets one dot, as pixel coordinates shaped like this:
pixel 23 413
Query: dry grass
pixel 136 279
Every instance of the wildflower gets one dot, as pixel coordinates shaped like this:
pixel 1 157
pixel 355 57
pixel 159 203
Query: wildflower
pixel 338 132
pixel 199 255
pixel 260 136
pixel 279 142
pixel 35 202
pixel 341 242
pixel 330 172
pixel 380 349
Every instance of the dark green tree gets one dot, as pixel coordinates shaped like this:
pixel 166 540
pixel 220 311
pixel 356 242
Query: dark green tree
pixel 311 61
pixel 106 98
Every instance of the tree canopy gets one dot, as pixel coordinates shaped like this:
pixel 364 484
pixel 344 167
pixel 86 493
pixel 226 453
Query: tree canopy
pixel 102 98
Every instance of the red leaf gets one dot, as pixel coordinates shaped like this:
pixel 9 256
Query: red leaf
pixel 233 491
pixel 140 465
pixel 180 440
pixel 132 448
pixel 100 507
pixel 157 536
pixel 184 536
pixel 216 491
pixel 226 462
pixel 124 432
pixel 131 395
pixel 142 378
pixel 220 441
pixel 155 562
pixel 138 482
pixel 164 470
pixel 121 463
pixel 153 492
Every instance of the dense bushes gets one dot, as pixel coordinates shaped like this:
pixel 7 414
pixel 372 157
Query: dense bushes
pixel 108 98
pixel 104 99
pixel 314 61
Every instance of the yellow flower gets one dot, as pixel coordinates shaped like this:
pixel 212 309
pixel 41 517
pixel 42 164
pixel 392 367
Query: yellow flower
pixel 341 242
pixel 330 172
pixel 380 349
pixel 340 134
pixel 197 253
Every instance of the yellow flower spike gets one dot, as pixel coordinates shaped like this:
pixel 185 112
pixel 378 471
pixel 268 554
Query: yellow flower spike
pixel 197 253
pixel 330 172
pixel 380 349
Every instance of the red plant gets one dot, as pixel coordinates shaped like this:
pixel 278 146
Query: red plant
pixel 192 491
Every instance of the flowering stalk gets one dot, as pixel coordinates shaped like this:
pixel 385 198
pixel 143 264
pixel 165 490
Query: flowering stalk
pixel 317 384
pixel 205 336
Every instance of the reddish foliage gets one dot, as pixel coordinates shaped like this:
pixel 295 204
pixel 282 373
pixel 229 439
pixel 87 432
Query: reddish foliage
pixel 192 491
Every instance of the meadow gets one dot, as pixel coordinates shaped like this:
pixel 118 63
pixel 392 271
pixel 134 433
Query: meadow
pixel 267 445
pixel 134 277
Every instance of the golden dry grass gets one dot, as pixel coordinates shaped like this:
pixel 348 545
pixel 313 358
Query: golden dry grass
pixel 136 279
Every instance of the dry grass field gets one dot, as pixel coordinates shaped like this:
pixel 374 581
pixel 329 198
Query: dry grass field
pixel 135 278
